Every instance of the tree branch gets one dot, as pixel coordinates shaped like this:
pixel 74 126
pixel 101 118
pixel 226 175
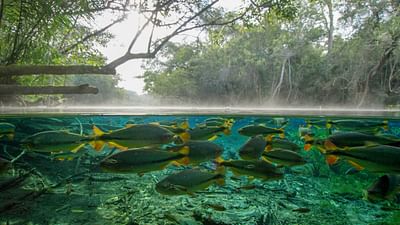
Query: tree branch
pixel 95 33
pixel 46 90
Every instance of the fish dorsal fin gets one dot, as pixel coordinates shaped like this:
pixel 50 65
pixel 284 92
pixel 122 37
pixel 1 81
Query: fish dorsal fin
pixel 153 123
pixel 355 165
pixel 97 131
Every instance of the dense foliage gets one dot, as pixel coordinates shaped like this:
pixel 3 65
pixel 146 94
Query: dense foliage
pixel 332 52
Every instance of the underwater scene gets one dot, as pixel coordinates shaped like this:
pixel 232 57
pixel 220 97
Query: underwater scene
pixel 199 169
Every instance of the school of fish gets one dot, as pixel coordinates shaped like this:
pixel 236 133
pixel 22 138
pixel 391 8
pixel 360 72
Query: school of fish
pixel 145 147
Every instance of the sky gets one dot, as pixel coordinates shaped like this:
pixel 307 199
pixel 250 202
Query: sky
pixel 123 33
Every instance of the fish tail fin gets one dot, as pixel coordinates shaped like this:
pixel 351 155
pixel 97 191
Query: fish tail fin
pixel 385 125
pixel 307 147
pixel 282 135
pixel 227 131
pixel 185 136
pixel 329 145
pixel 329 124
pixel 184 151
pixel 268 147
pixel 97 131
pixel 182 161
pixel 184 125
pixel 220 175
pixel 331 159
pixel 97 144
pixel 10 136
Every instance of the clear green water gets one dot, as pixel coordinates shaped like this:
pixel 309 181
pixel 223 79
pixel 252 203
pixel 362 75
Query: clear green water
pixel 78 192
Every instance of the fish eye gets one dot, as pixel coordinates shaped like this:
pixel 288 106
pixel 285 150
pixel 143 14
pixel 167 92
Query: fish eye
pixel 250 166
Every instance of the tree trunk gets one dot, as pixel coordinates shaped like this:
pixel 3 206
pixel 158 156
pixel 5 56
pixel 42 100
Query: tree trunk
pixel 331 28
pixel 18 70
pixel 47 90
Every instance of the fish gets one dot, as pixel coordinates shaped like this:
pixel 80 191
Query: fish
pixel 133 136
pixel 342 140
pixel 4 165
pixel 284 157
pixel 276 121
pixel 199 151
pixel 7 130
pixel 376 159
pixel 253 169
pixel 354 124
pixel 142 160
pixel 253 130
pixel 188 182
pixel 282 143
pixel 55 141
pixel 182 123
pixel 317 123
pixel 207 133
pixel 67 155
pixel 253 148
pixel 385 188
pixel 218 121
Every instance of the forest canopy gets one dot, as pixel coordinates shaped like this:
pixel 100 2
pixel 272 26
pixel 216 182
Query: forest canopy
pixel 264 52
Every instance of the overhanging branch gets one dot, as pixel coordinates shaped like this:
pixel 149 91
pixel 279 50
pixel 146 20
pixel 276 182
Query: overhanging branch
pixel 19 70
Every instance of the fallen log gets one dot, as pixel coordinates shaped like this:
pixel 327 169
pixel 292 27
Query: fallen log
pixel 46 90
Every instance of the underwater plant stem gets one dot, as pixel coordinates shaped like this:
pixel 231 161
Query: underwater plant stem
pixel 19 156
pixel 80 125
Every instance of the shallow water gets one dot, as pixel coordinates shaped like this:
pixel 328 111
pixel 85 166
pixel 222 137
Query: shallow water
pixel 77 191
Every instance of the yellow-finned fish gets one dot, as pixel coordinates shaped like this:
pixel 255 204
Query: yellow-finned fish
pixel 282 143
pixel 7 130
pixel 254 169
pixel 254 130
pixel 207 133
pixel 142 160
pixel 55 141
pixel 342 140
pixel 133 136
pixel 253 148
pixel 378 158
pixel 199 151
pixel 284 157
pixel 4 165
pixel 358 125
pixel 188 182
